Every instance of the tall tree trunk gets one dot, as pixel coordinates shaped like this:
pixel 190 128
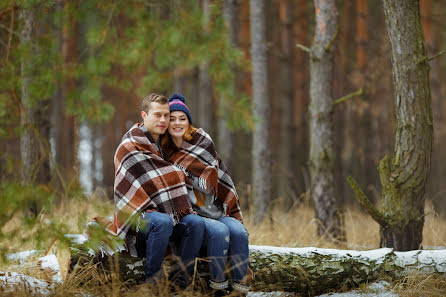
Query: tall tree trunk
pixel 33 144
pixel 363 112
pixel 342 116
pixel 322 153
pixel 261 180
pixel 436 187
pixel 225 137
pixel 65 135
pixel 286 167
pixel 404 178
pixel 300 81
pixel 205 114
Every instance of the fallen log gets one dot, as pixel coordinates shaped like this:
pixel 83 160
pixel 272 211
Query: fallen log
pixel 309 270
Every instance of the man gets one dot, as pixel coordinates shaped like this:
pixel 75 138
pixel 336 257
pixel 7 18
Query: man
pixel 151 195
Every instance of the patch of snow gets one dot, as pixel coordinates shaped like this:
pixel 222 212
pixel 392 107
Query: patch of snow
pixel 270 294
pixel 136 264
pixel 10 281
pixel 21 256
pixel 50 264
pixel 77 238
pixel 377 255
pixel 377 289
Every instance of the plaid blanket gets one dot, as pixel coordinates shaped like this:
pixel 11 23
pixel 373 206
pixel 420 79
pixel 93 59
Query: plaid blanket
pixel 144 181
pixel 198 157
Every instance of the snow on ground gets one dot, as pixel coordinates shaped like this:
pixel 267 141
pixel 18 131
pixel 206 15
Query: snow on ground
pixel 10 281
pixel 377 289
pixel 50 265
pixel 21 256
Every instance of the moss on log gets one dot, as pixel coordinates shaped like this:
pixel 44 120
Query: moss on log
pixel 304 270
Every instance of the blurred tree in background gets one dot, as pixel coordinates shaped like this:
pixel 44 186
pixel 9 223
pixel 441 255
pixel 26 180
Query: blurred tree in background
pixel 72 74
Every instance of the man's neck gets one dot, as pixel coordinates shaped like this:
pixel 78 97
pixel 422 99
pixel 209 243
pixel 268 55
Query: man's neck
pixel 155 137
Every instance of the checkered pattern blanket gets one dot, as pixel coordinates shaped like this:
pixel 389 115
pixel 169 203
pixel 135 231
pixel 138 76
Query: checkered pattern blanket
pixel 198 157
pixel 144 181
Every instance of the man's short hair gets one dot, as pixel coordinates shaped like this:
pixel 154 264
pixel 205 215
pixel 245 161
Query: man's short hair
pixel 154 97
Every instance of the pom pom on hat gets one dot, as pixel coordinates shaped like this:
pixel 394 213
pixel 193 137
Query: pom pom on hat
pixel 177 102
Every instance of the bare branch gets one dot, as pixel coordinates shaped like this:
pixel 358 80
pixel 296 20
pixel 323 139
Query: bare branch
pixel 365 202
pixel 359 92
pixel 437 55
pixel 304 48
pixel 330 43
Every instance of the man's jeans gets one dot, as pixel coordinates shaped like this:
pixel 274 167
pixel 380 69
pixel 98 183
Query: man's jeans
pixel 223 237
pixel 156 230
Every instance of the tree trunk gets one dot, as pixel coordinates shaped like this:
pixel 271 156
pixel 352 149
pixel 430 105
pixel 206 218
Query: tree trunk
pixel 33 144
pixel 302 270
pixel 205 114
pixel 363 109
pixel 322 158
pixel 286 168
pixel 404 179
pixel 261 180
pixel 431 37
pixel 300 82
pixel 65 135
pixel 225 137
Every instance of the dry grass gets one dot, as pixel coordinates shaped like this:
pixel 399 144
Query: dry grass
pixel 295 227
pixel 417 285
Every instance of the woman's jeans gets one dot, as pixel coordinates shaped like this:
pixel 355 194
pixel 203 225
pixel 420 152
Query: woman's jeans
pixel 226 237
pixel 156 230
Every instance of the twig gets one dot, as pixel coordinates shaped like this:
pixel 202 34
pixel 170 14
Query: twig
pixel 330 43
pixel 365 202
pixel 304 48
pixel 10 31
pixel 51 245
pixel 436 55
pixel 10 34
pixel 349 96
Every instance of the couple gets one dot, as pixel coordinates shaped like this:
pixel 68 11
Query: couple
pixel 170 185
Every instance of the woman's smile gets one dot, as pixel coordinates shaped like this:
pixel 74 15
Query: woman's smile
pixel 179 123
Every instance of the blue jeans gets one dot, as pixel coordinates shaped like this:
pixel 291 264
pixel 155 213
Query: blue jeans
pixel 226 238
pixel 156 230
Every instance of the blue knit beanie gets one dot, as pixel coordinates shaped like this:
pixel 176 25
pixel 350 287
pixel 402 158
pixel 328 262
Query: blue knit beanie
pixel 177 102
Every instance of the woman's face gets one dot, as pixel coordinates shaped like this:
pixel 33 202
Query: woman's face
pixel 179 123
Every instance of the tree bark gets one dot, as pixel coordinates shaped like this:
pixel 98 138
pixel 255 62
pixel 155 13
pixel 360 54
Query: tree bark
pixel 432 37
pixel 322 152
pixel 64 126
pixel 225 137
pixel 33 144
pixel 300 82
pixel 404 180
pixel 302 270
pixel 286 168
pixel 261 180
pixel 205 114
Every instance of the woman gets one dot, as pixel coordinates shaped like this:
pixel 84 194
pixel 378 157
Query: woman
pixel 212 195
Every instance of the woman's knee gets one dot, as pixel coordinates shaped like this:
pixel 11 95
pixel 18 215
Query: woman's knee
pixel 236 228
pixel 216 229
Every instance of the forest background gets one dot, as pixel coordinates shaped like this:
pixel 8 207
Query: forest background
pixel 73 74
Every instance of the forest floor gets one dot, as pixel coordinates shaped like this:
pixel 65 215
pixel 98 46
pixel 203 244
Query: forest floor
pixel 284 226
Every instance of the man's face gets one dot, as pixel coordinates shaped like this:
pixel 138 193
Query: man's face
pixel 156 120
